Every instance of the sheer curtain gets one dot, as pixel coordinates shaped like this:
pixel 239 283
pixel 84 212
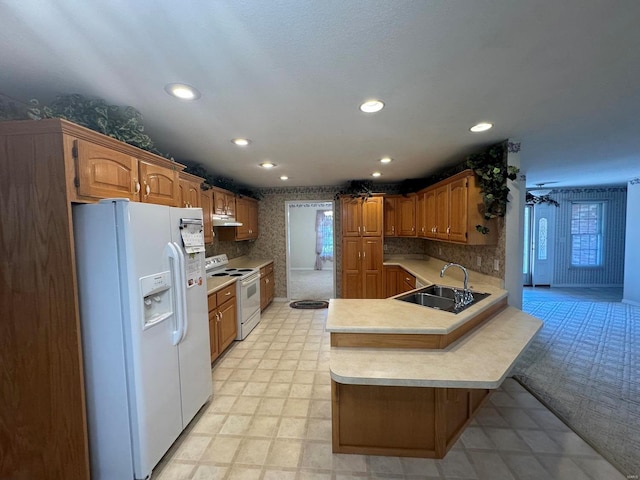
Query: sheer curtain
pixel 324 237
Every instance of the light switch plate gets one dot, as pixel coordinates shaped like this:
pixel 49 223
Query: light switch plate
pixel 496 265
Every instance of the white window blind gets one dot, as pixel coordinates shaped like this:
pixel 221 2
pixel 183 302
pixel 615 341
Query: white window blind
pixel 586 234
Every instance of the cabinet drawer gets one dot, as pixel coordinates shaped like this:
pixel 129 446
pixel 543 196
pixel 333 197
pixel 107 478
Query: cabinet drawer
pixel 212 302
pixel 226 293
pixel 267 270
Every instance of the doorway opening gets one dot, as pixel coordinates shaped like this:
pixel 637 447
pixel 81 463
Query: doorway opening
pixel 310 250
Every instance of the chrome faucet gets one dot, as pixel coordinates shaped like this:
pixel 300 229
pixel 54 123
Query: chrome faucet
pixel 467 297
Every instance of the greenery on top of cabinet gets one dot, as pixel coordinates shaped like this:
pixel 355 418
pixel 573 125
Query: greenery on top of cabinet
pixel 492 170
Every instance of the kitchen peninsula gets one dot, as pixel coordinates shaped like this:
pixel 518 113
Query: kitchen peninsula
pixel 407 379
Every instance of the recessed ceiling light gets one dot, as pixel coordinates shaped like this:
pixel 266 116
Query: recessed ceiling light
pixel 182 91
pixel 372 106
pixel 241 142
pixel 385 160
pixel 284 177
pixel 481 127
pixel 376 174
pixel 267 165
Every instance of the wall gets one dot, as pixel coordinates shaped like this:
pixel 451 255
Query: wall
pixel 612 271
pixel 302 234
pixel 632 252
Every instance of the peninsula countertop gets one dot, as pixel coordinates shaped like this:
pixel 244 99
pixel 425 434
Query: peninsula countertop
pixel 394 316
pixel 480 359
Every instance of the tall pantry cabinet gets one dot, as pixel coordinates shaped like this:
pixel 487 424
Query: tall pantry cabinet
pixel 362 246
pixel 46 165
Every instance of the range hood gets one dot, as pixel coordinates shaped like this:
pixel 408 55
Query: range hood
pixel 225 221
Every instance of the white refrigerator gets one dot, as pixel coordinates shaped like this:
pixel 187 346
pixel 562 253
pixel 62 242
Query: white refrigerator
pixel 145 330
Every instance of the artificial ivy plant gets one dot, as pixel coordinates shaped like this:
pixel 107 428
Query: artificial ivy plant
pixel 121 123
pixel 356 189
pixel 492 170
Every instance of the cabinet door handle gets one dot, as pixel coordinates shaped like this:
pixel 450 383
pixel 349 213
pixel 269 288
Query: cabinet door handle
pixel 364 254
pixel 137 189
pixel 147 188
pixel 219 315
pixel 358 228
pixel 448 230
pixel 266 280
pixel 359 254
pixel 413 229
pixel 227 294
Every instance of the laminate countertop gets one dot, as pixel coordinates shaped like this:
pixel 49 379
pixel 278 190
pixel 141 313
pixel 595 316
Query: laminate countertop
pixel 216 283
pixel 481 358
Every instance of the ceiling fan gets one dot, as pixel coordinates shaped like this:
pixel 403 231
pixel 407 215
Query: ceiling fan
pixel 538 191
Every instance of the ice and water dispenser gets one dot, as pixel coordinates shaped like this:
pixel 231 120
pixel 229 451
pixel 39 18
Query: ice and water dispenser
pixel 156 293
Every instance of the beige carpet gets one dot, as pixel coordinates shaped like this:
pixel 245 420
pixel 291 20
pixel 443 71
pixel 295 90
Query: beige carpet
pixel 311 284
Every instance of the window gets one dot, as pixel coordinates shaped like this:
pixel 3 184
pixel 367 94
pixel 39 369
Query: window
pixel 586 234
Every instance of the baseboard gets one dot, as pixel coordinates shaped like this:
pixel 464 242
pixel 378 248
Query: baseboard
pixel 631 302
pixel 586 285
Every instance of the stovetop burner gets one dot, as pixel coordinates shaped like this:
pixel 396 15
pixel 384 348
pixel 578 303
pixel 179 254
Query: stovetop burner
pixel 215 267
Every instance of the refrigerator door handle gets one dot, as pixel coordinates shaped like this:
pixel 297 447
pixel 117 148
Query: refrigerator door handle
pixel 175 264
pixel 184 321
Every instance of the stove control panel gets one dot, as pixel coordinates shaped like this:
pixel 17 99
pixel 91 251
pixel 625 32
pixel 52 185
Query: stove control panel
pixel 216 261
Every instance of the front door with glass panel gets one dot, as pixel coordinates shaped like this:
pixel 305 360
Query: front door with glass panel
pixel 542 244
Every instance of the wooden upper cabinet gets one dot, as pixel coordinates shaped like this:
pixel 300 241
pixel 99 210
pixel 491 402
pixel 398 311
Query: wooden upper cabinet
pixel 458 210
pixel 400 215
pixel 389 215
pixel 362 217
pixel 224 202
pixel 247 214
pixel 406 216
pixel 206 202
pixel 372 222
pixel 452 210
pixel 105 173
pixel 430 214
pixel 442 212
pixel 159 184
pixel 189 190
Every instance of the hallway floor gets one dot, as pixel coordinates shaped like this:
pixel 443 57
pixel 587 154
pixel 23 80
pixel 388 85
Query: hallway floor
pixel 270 418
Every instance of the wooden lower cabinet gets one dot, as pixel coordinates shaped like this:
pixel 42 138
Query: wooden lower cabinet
pixel 267 286
pixel 400 421
pixel 397 280
pixel 362 268
pixel 223 326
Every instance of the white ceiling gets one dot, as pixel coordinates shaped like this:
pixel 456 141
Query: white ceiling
pixel 561 77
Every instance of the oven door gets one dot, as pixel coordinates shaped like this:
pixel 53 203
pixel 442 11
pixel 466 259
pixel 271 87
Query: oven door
pixel 249 293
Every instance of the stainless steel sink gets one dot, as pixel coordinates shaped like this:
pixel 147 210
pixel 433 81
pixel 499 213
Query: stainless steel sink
pixel 440 297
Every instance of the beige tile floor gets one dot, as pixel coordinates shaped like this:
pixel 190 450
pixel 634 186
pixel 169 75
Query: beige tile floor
pixel 270 418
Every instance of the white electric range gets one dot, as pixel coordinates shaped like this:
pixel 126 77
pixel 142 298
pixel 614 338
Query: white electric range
pixel 247 291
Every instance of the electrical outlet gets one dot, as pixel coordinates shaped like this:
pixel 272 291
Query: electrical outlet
pixel 440 251
pixel 385 247
pixel 479 260
pixel 496 265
